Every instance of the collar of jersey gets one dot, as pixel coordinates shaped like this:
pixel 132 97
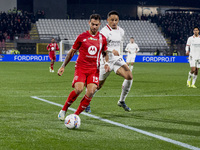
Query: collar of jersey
pixel 196 37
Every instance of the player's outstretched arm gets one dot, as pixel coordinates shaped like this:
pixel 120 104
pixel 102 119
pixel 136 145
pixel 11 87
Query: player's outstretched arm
pixel 66 61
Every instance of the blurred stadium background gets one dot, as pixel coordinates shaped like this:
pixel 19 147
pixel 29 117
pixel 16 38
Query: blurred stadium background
pixel 28 25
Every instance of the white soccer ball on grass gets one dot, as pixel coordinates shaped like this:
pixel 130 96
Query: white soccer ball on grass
pixel 72 121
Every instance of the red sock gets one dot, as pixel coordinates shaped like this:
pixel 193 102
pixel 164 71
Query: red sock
pixel 84 103
pixel 71 98
pixel 51 66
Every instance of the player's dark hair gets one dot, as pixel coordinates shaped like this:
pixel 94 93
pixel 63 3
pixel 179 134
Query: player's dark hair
pixel 95 17
pixel 196 27
pixel 113 12
pixel 131 38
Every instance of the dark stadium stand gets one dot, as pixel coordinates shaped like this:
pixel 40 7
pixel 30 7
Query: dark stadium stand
pixel 16 22
pixel 177 26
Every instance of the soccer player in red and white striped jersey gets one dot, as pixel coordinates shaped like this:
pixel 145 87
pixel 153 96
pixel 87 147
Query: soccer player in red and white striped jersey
pixel 52 48
pixel 91 44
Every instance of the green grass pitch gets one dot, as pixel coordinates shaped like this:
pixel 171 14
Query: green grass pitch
pixel 160 101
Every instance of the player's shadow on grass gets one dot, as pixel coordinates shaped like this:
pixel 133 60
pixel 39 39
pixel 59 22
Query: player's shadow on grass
pixel 133 114
pixel 147 81
pixel 167 130
pixel 109 115
pixel 174 121
pixel 84 130
pixel 143 115
pixel 98 123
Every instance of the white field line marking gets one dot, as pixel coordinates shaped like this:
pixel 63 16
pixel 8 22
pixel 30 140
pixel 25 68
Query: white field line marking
pixel 132 96
pixel 125 126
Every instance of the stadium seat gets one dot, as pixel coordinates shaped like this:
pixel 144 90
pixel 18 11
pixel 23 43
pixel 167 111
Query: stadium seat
pixel 146 34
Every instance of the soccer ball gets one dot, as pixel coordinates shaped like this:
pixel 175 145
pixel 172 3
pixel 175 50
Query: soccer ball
pixel 72 121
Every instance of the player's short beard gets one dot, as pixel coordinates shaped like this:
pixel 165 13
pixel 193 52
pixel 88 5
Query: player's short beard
pixel 93 32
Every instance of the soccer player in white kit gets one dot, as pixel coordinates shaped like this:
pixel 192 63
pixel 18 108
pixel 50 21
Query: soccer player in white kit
pixel 114 35
pixel 132 48
pixel 193 43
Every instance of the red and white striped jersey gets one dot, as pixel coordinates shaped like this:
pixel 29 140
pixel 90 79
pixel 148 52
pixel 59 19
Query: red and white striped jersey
pixel 53 47
pixel 90 48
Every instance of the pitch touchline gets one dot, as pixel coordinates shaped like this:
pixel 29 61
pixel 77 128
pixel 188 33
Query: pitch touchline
pixel 134 96
pixel 125 126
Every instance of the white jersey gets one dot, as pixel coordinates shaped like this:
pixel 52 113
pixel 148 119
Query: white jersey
pixel 194 43
pixel 114 39
pixel 132 48
pixel 115 42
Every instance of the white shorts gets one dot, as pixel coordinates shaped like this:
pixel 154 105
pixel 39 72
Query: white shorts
pixel 130 58
pixel 194 63
pixel 115 64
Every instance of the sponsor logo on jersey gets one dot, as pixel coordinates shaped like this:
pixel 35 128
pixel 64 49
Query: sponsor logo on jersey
pixel 92 50
pixel 76 78
pixel 114 43
pixel 91 38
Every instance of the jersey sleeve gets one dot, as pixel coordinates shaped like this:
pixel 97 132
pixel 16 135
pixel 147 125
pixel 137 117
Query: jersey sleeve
pixel 48 47
pixel 138 49
pixel 77 43
pixel 57 48
pixel 188 44
pixel 122 42
pixel 104 47
pixel 127 47
pixel 104 32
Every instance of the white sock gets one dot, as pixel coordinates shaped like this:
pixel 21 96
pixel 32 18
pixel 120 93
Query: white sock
pixel 190 76
pixel 131 68
pixel 194 79
pixel 126 86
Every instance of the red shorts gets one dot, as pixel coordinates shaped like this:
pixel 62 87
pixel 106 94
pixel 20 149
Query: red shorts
pixel 52 55
pixel 86 76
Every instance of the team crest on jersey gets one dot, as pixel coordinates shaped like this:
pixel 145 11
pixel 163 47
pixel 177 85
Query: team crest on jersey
pixel 91 38
pixel 92 50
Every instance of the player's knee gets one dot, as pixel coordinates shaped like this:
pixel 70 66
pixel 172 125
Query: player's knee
pixel 129 76
pixel 90 92
pixel 193 70
pixel 79 90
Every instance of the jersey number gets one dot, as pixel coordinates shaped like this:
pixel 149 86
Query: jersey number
pixel 95 79
pixel 120 59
